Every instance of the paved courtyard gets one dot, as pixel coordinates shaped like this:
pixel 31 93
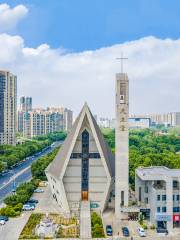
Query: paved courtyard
pixel 46 203
pixel 109 219
pixel 12 229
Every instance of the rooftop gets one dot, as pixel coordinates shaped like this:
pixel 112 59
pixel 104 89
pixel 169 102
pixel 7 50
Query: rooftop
pixel 154 173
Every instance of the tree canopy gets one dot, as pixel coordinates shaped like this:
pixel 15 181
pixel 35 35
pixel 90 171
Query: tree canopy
pixel 147 148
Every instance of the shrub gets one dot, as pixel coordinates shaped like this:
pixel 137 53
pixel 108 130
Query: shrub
pixel 38 167
pixel 153 227
pixel 97 226
pixel 9 211
pixel 28 230
pixel 23 193
pixel 141 219
pixel 18 207
pixel 144 226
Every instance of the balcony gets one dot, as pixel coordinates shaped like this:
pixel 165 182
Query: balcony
pixel 159 186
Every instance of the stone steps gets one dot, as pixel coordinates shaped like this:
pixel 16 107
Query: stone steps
pixel 85 221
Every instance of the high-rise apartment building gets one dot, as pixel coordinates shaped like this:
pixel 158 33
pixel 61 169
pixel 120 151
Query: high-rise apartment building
pixel 40 121
pixel 175 119
pixel 8 107
pixel 25 104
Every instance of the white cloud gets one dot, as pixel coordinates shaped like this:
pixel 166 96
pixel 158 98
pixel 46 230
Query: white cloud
pixel 10 17
pixel 53 77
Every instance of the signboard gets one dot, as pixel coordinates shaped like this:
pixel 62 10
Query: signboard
pixel 94 205
pixel 145 210
pixel 131 209
pixel 163 218
pixel 176 218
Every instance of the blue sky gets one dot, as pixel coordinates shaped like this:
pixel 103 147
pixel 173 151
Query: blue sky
pixel 34 33
pixel 79 25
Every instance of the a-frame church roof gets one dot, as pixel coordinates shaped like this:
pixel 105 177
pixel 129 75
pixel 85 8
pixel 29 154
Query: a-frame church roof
pixel 56 167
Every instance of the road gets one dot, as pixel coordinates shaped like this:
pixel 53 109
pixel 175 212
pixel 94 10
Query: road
pixel 21 173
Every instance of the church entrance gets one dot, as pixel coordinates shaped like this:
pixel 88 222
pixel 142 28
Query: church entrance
pixel 84 196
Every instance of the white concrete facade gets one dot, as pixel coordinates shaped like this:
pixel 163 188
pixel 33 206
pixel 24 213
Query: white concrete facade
pixel 158 189
pixel 122 143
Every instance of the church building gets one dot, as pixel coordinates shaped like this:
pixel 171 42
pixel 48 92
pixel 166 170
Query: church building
pixel 83 169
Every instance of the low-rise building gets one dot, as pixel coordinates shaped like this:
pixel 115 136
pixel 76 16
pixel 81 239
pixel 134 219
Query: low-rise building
pixel 139 122
pixel 158 194
pixel 171 119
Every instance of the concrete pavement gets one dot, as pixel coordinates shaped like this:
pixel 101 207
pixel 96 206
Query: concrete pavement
pixel 85 221
pixel 12 229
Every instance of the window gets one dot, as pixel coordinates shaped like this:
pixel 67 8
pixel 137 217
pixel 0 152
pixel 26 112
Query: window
pixel 163 209
pixel 140 194
pixel 94 155
pixel 175 209
pixel 158 197
pixel 175 184
pixel 173 197
pixel 146 200
pixel 85 160
pixel 164 197
pixel 122 198
pixel 177 197
pixel 122 88
pixel 146 189
pixel 158 209
pixel 76 155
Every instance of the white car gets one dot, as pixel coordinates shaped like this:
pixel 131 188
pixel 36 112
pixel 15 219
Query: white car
pixel 2 222
pixel 141 232
pixel 27 207
pixel 39 190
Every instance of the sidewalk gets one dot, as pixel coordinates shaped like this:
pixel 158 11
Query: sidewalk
pixel 85 220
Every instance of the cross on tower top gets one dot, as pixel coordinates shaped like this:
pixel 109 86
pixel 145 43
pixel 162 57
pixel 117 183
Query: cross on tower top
pixel 122 59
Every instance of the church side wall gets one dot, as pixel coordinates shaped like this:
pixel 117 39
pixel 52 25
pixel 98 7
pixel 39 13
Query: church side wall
pixel 57 192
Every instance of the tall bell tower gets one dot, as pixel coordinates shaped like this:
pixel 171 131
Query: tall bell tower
pixel 122 143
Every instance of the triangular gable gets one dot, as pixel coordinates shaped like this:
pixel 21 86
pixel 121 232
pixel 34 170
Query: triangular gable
pixel 58 166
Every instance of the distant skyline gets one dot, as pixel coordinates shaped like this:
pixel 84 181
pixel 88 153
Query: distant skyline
pixel 65 53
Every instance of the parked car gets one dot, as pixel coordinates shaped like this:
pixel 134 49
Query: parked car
pixel 28 207
pixel 141 232
pixel 162 230
pixel 109 230
pixel 39 190
pixel 33 200
pixel 30 204
pixel 4 218
pixel 125 232
pixel 2 222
